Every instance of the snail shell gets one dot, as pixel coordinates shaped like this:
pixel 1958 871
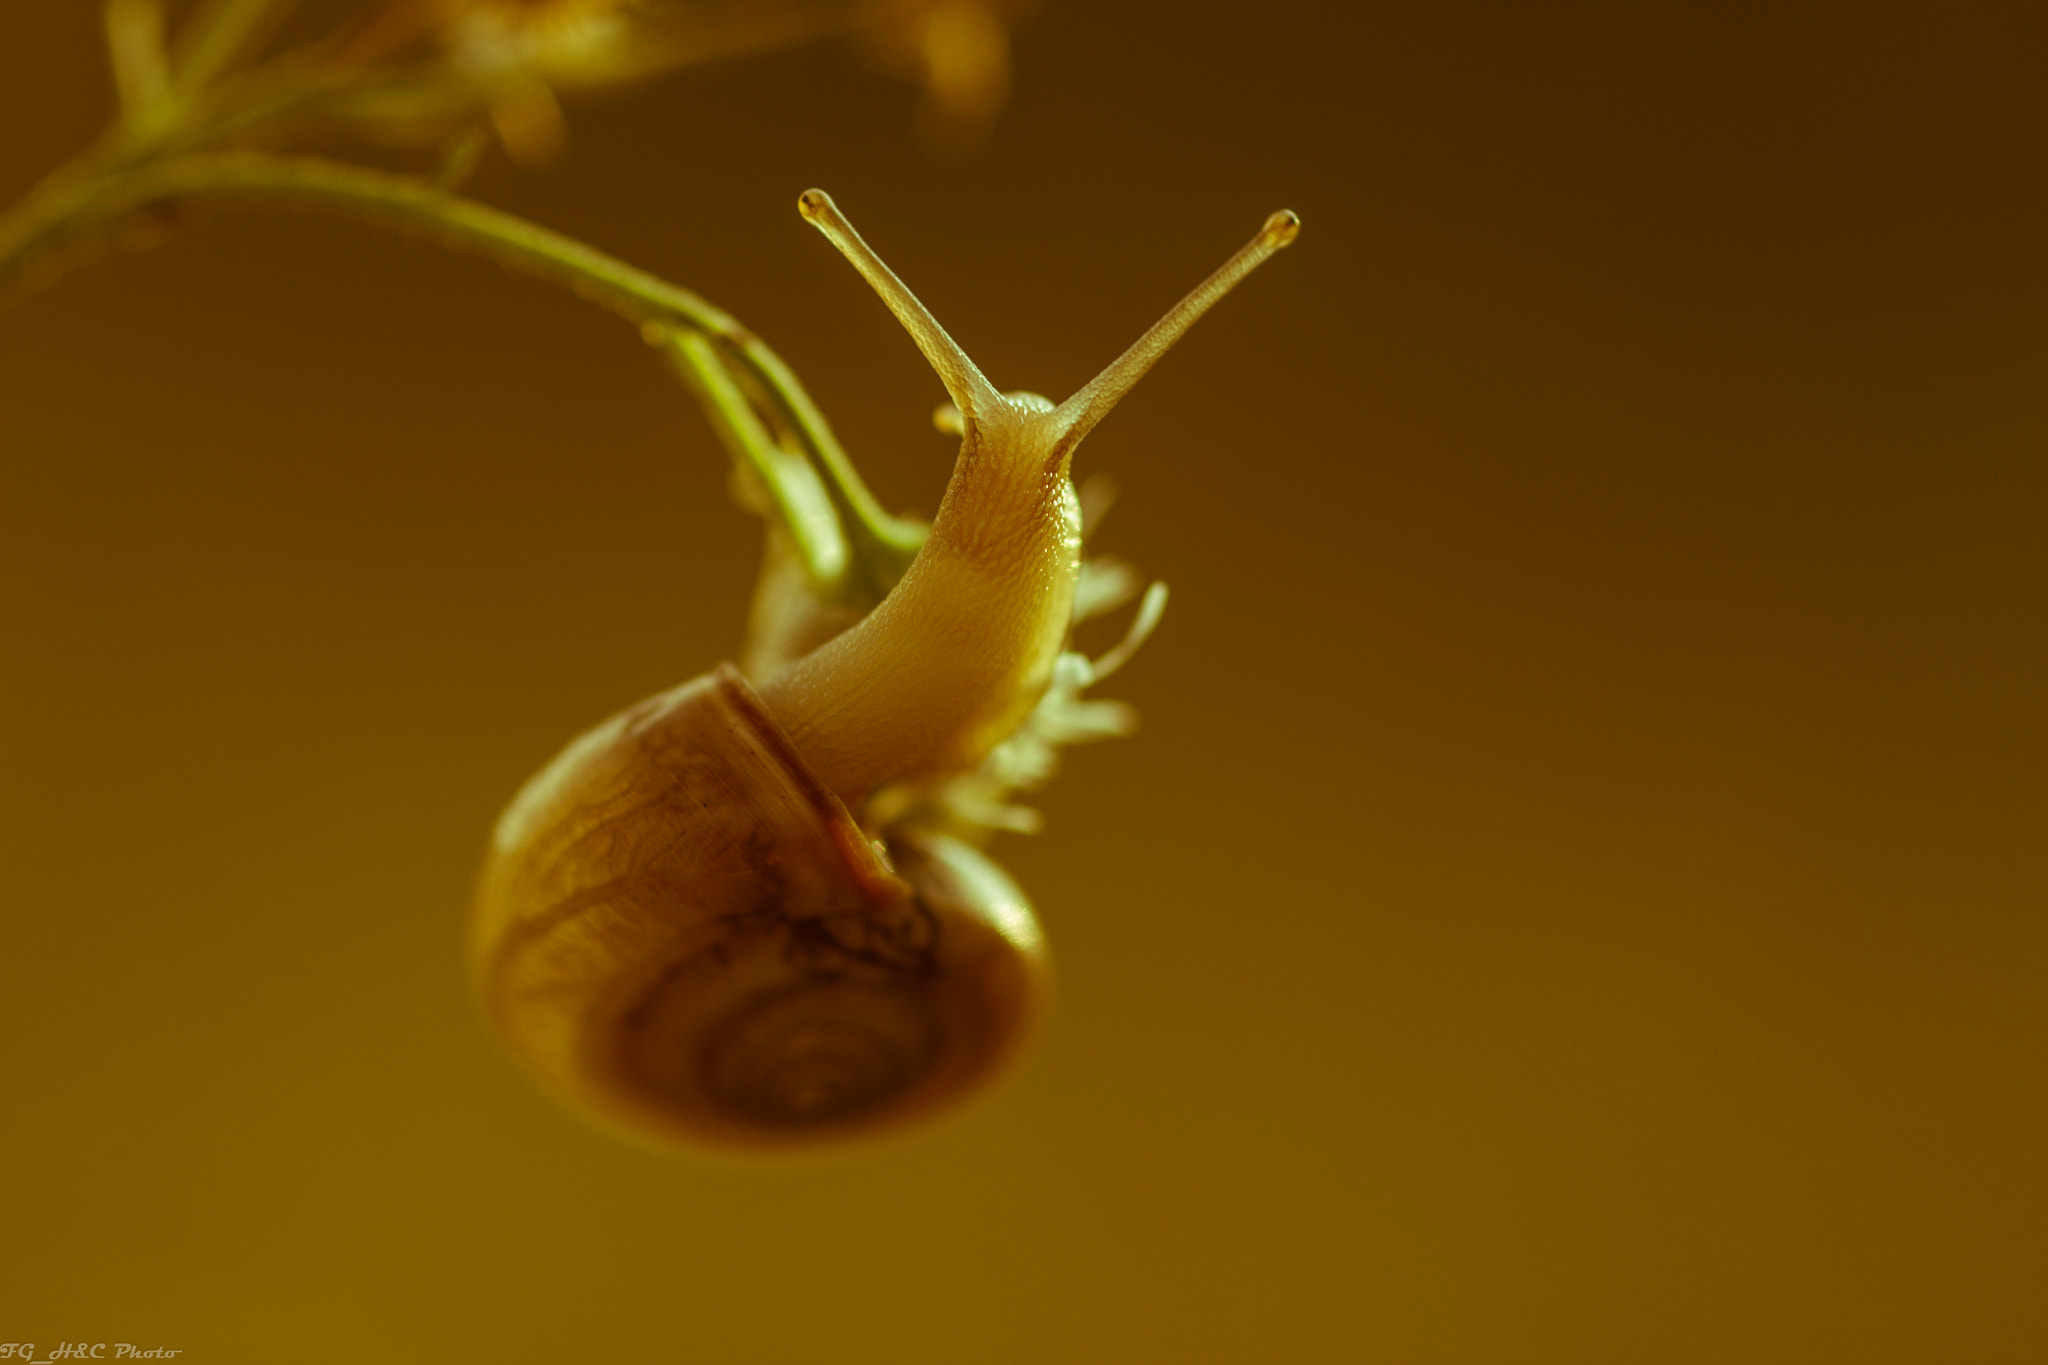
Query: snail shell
pixel 742 919
pixel 683 930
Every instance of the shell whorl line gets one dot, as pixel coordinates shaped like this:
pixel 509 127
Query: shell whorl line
pixel 818 1051
pixel 836 1025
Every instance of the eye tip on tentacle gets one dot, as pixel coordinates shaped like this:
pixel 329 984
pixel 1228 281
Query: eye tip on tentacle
pixel 1280 229
pixel 970 391
pixel 1080 413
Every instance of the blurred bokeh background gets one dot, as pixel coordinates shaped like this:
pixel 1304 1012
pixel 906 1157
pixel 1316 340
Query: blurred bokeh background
pixel 1579 891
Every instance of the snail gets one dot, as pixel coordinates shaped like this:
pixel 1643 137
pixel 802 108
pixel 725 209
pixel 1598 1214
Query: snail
pixel 752 914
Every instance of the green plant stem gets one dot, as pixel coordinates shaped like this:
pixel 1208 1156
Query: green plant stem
pixel 95 200
pixel 787 478
pixel 220 33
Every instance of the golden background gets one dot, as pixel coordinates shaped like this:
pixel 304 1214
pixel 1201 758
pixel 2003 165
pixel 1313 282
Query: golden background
pixel 1578 894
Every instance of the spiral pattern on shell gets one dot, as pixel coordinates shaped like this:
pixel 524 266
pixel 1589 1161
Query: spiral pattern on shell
pixel 816 1051
pixel 679 927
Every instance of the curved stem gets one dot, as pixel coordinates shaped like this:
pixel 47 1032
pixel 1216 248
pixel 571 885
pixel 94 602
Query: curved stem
pixel 89 203
pixel 787 478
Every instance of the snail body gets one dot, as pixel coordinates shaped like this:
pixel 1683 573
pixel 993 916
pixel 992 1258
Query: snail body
pixel 717 919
